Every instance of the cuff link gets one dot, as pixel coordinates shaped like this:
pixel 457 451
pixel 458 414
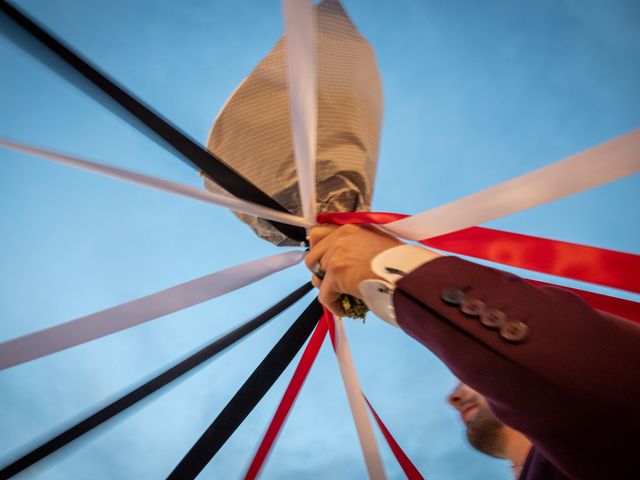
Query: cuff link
pixel 394 271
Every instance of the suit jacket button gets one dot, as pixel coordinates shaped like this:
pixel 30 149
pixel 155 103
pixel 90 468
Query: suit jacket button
pixel 472 307
pixel 514 331
pixel 493 318
pixel 452 296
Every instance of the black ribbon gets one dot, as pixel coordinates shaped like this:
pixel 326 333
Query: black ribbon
pixel 251 392
pixel 151 386
pixel 39 43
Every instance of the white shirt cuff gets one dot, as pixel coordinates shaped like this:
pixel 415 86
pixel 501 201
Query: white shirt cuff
pixel 391 265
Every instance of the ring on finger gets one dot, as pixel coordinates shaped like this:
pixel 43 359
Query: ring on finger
pixel 318 271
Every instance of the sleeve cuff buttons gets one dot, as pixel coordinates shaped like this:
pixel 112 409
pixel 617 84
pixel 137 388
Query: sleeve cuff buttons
pixel 511 330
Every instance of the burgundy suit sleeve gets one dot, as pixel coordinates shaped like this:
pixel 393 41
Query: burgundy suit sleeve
pixel 572 386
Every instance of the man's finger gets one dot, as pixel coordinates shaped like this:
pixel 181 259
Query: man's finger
pixel 325 262
pixel 319 232
pixel 315 254
pixel 319 249
pixel 329 296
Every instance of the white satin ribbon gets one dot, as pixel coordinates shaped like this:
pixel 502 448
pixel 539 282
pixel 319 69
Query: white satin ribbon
pixel 357 403
pixel 114 319
pixel 598 165
pixel 301 61
pixel 300 26
pixel 231 203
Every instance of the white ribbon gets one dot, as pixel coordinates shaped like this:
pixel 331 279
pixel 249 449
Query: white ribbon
pixel 232 203
pixel 357 403
pixel 114 319
pixel 599 165
pixel 300 29
pixel 301 61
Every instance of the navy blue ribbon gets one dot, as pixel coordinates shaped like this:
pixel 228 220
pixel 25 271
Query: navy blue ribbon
pixel 248 396
pixel 151 386
pixel 43 46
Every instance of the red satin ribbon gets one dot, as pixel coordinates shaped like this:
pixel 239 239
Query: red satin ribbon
pixel 563 259
pixel 309 355
pixel 409 468
pixel 580 262
pixel 306 361
pixel 617 306
pixel 405 463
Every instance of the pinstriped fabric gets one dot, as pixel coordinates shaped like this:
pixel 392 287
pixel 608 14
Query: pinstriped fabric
pixel 252 133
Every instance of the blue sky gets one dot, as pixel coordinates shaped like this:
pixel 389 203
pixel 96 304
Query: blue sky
pixel 475 94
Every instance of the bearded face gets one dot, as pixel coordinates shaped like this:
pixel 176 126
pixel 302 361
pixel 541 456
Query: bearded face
pixel 484 431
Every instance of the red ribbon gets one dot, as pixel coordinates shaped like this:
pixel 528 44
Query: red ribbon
pixel 299 376
pixel 309 355
pixel 409 468
pixel 564 259
pixel 570 260
pixel 618 306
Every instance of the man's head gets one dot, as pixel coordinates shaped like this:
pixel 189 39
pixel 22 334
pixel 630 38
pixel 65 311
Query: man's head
pixel 485 432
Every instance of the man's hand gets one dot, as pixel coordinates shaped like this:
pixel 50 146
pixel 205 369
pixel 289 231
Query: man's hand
pixel 344 255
